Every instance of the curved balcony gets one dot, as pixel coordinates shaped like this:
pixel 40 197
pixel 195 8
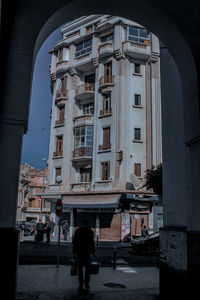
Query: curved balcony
pixel 105 113
pixel 60 122
pixel 106 81
pixel 84 120
pixel 137 50
pixel 85 91
pixel 61 95
pixel 58 154
pixel 82 153
pixel 106 49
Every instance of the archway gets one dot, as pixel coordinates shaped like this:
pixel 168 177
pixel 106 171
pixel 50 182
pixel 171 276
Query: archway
pixel 17 86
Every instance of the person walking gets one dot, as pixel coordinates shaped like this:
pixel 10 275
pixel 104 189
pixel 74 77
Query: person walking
pixel 40 231
pixel 47 229
pixel 66 230
pixel 144 231
pixel 52 225
pixel 83 247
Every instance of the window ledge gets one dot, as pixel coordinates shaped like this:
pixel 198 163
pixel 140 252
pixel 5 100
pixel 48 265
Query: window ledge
pixel 56 157
pixel 105 115
pixel 137 141
pixel 59 125
pixel 137 106
pixel 104 151
pixel 103 181
pixel 137 74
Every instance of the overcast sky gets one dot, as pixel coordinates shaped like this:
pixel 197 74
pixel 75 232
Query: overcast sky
pixel 36 141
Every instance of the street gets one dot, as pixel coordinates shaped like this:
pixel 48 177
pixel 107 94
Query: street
pixel 39 282
pixel 31 252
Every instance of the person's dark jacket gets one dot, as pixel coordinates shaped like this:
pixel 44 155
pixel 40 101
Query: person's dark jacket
pixel 40 226
pixel 83 243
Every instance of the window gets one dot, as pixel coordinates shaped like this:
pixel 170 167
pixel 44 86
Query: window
pixel 73 34
pixel 85 174
pixel 59 144
pixel 58 175
pixel 108 37
pixel 137 170
pixel 137 134
pixel 137 99
pixel 108 73
pixel 88 109
pixel 137 69
pixel 106 137
pixel 60 54
pixel 61 113
pixel 138 35
pixel 83 48
pixel 83 137
pixel 107 103
pixel 105 170
pixel 63 84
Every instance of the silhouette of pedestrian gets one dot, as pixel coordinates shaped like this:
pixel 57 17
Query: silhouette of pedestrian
pixel 52 225
pixel 83 247
pixel 47 229
pixel 144 231
pixel 40 231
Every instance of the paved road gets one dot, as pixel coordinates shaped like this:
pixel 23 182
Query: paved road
pixel 42 253
pixel 39 282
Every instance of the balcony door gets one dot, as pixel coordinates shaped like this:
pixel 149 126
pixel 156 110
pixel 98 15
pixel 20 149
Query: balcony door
pixel 106 138
pixel 108 73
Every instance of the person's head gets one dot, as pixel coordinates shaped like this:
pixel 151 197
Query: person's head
pixel 84 224
pixel 40 221
pixel 144 226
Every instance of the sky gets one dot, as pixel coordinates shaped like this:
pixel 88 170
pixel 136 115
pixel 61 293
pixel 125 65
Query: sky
pixel 36 141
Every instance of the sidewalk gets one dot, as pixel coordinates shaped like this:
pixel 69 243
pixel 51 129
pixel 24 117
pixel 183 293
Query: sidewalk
pixel 36 282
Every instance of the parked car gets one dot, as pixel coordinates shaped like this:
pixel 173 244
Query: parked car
pixel 127 238
pixel 146 245
pixel 28 228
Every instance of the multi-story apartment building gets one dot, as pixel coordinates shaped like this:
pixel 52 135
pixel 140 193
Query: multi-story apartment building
pixel 30 206
pixel 105 121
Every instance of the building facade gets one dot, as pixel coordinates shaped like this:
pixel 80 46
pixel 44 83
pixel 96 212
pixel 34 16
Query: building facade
pixel 105 123
pixel 31 207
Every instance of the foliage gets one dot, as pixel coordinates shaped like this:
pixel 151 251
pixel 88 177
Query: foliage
pixel 153 178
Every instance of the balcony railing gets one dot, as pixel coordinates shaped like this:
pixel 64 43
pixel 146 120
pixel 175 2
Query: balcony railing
pixel 62 94
pixel 105 112
pixel 58 153
pixel 104 147
pixel 86 87
pixel 60 122
pixel 107 80
pixel 82 152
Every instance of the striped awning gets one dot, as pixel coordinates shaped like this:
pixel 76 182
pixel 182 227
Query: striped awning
pixel 91 201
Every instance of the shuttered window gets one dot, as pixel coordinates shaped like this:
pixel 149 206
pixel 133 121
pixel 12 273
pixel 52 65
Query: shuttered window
pixel 59 143
pixel 137 170
pixel 105 170
pixel 108 73
pixel 61 112
pixel 106 136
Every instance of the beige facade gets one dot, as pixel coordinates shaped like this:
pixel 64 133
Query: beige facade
pixel 106 114
pixel 31 207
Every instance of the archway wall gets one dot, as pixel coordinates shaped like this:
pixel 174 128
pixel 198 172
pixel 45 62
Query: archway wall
pixel 43 18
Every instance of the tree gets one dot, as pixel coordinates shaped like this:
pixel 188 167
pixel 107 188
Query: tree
pixel 153 178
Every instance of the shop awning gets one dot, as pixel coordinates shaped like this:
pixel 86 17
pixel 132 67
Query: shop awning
pixel 91 201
